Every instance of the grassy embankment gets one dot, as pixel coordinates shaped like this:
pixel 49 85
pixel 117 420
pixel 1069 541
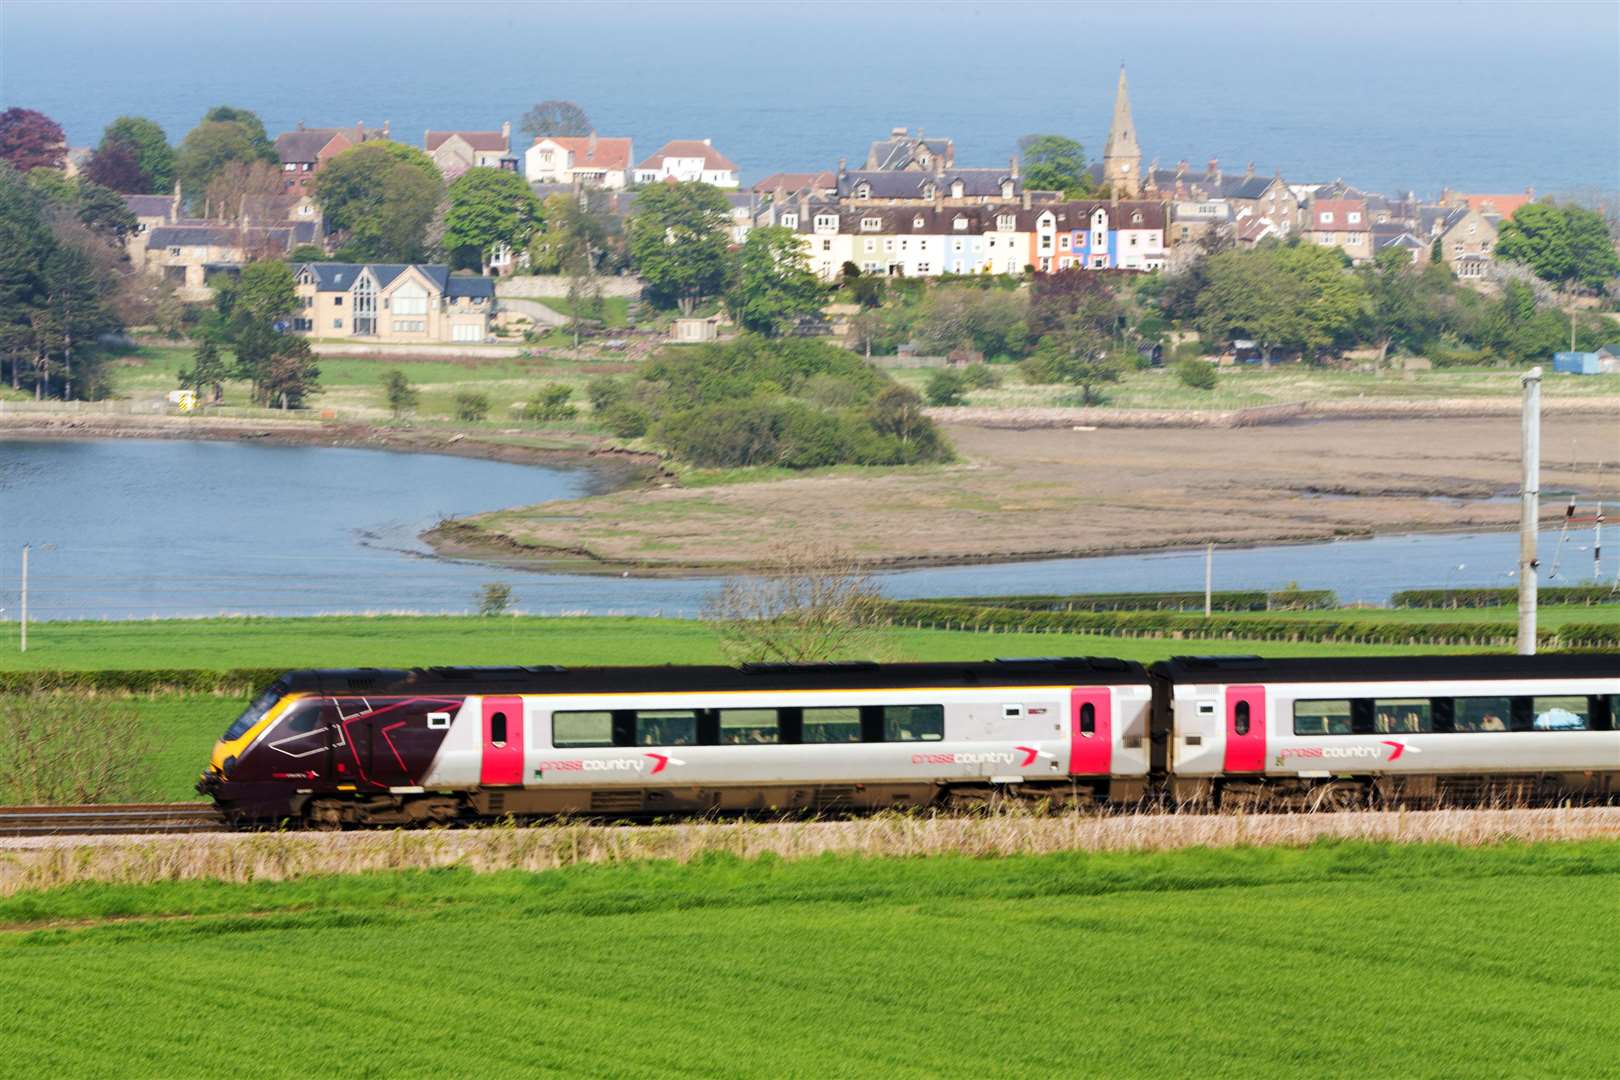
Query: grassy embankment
pixel 1333 960
pixel 185 725
pixel 1247 387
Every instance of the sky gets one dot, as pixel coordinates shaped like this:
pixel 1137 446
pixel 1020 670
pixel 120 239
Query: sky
pixel 1488 96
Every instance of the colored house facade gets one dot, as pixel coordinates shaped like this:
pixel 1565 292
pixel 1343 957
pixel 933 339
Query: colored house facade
pixel 1097 235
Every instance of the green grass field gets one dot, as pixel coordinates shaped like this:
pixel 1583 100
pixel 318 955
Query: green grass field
pixel 1343 960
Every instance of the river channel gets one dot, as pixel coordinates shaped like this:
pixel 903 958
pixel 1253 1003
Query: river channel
pixel 123 529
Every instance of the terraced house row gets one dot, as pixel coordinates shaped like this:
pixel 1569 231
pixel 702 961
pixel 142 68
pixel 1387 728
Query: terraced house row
pixel 925 241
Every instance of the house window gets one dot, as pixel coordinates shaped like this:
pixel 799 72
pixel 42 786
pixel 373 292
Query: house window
pixel 409 299
pixel 337 324
pixel 923 268
pixel 470 332
pixel 790 221
pixel 826 222
pixel 1325 217
pixel 826 245
pixel 1353 217
pixel 862 191
pixel 175 252
pixel 871 224
pixel 291 166
pixel 871 245
pixel 337 301
pixel 409 326
pixel 917 222
pixel 888 244
pixel 1006 222
pixel 1046 242
pixel 1136 217
pixel 960 224
pixel 957 189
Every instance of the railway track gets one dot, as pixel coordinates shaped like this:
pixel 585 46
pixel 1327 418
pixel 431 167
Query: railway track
pixel 108 819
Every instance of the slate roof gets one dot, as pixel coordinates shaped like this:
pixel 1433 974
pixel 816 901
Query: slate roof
pixel 896 153
pixel 150 206
pixel 224 234
pixel 689 148
pixel 340 277
pixel 929 220
pixel 304 145
pixel 891 184
pixel 1434 220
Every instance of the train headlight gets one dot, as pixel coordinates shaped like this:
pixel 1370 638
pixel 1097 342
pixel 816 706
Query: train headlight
pixel 228 765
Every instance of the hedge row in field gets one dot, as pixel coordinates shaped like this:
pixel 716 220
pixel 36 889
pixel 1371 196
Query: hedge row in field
pixel 140 680
pixel 1476 598
pixel 1226 600
pixel 960 616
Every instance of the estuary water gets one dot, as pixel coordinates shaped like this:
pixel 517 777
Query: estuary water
pixel 123 529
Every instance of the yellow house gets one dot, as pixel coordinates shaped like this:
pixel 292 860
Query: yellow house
pixel 392 302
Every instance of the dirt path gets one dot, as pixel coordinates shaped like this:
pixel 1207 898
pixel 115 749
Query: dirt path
pixel 1045 492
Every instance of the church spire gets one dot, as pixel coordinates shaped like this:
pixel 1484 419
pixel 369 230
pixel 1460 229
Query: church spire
pixel 1122 156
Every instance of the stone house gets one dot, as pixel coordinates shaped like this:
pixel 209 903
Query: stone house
pixel 304 150
pixel 1467 238
pixel 454 152
pixel 392 303
pixel 1340 223
pixel 686 160
pixel 588 161
pixel 905 152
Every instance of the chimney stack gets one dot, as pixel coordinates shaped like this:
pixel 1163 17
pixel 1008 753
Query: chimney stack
pixel 385 129
pixel 1214 170
pixel 1012 166
pixel 1248 174
pixel 706 142
pixel 300 125
pixel 506 131
pixel 1026 199
pixel 590 147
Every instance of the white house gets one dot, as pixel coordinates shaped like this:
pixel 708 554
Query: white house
pixel 685 160
pixel 589 160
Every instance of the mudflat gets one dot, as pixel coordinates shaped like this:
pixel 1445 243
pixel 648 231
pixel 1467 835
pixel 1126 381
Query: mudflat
pixel 1048 492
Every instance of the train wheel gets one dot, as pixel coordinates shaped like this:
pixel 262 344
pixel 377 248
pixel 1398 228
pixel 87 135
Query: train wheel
pixel 324 815
pixel 1338 798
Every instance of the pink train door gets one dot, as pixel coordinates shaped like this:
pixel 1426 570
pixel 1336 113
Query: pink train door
pixel 1091 732
pixel 1245 729
pixel 503 742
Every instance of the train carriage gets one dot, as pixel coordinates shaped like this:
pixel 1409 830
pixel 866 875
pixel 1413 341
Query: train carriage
pixel 440 744
pixel 1411 729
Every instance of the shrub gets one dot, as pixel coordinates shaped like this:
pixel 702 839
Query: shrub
pixel 604 392
pixel 945 387
pixel 1197 374
pixel 551 402
pixel 471 406
pixel 627 420
pixel 60 748
pixel 980 377
pixel 494 598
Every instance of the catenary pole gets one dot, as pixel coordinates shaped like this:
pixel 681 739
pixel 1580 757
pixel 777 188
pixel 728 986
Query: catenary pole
pixel 1529 508
pixel 25 599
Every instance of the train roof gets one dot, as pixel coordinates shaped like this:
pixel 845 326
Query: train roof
pixel 1230 669
pixel 1017 671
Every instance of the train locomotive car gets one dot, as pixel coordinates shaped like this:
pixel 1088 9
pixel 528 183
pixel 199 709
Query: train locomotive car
pixel 371 746
pixel 1310 733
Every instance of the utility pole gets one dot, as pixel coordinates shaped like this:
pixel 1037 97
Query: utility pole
pixel 1529 508
pixel 25 599
pixel 1209 578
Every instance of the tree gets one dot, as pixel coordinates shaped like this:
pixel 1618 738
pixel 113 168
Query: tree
pixel 1077 352
pixel 812 602
pixel 775 286
pixel 208 371
pixel 249 121
pixel 241 190
pixel 212 145
pixel 489 208
pixel 679 244
pixel 556 118
pixel 265 291
pixel 280 368
pixel 1403 305
pixel 993 321
pixel 494 598
pixel 150 146
pixel 380 197
pixel 402 396
pixel 1054 163
pixel 31 140
pixel 946 387
pixel 1291 296
pixel 115 165
pixel 104 211
pixel 1568 245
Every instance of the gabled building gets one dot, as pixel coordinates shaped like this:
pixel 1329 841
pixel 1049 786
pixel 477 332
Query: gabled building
pixel 1096 235
pixel 686 160
pixel 303 151
pixel 903 151
pixel 454 152
pixel 1395 235
pixel 588 161
pixel 392 302
pixel 1467 238
pixel 1342 223
pixel 947 187
pixel 784 185
pixel 1499 205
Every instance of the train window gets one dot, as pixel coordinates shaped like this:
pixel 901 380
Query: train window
pixel 1482 713
pixel 1240 718
pixel 747 727
pixel 1561 713
pixel 1402 715
pixel 838 725
pixel 1088 719
pixel 1322 717
pixel 497 729
pixel 581 729
pixel 913 723
pixel 305 717
pixel 666 727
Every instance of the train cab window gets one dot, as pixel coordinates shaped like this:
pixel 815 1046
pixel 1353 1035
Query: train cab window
pixel 1322 717
pixel 913 723
pixel 1482 713
pixel 1240 718
pixel 1561 713
pixel 839 725
pixel 304 717
pixel 666 727
pixel 581 729
pixel 749 727
pixel 1402 715
pixel 497 729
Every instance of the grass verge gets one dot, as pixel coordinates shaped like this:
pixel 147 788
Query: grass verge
pixel 1340 960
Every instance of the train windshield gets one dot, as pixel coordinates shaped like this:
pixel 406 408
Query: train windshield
pixel 254 712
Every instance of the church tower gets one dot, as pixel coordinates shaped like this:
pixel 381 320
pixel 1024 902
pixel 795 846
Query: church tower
pixel 1122 157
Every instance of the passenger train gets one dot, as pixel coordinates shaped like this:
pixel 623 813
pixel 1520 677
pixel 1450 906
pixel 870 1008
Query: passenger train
pixel 439 745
